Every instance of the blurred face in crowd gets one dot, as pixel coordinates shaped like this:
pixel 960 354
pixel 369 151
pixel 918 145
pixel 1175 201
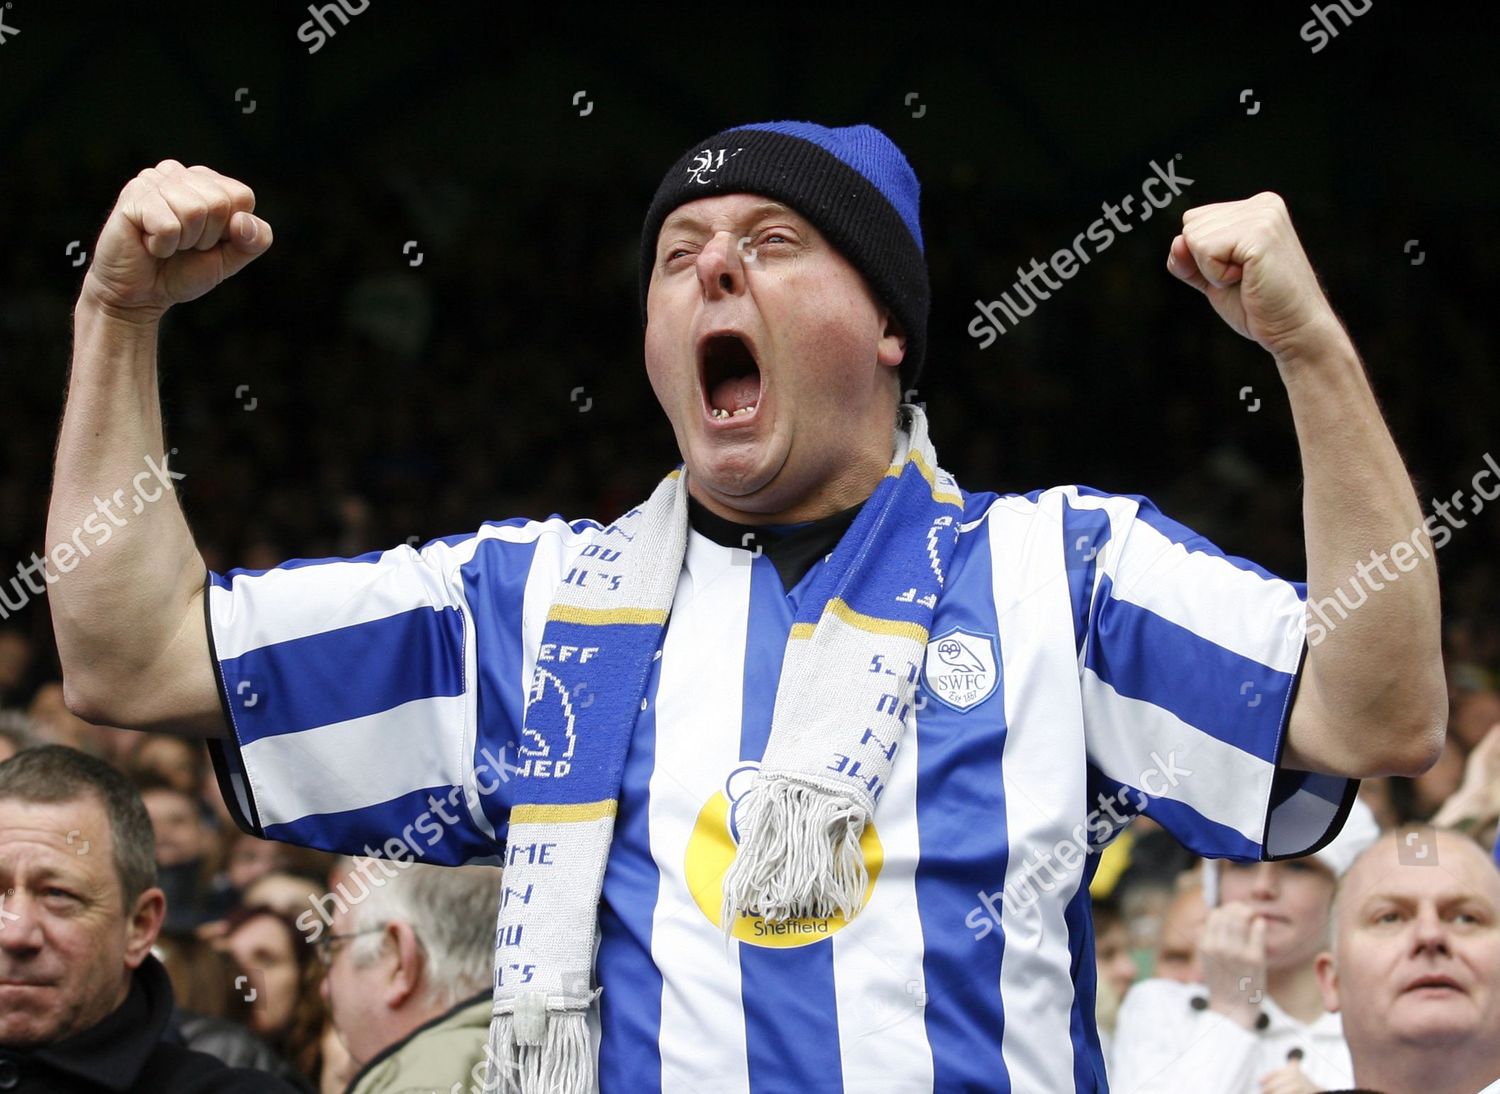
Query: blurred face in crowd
pixel 68 944
pixel 1293 899
pixel 1417 954
pixel 1473 716
pixel 7 748
pixel 180 833
pixel 1182 926
pixel 172 759
pixel 57 724
pixel 15 659
pixel 1112 956
pixel 289 894
pixel 809 371
pixel 251 859
pixel 263 945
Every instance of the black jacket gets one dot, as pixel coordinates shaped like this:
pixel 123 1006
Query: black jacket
pixel 231 1043
pixel 125 1054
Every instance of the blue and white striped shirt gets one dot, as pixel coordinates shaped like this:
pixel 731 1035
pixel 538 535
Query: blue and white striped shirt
pixel 1090 659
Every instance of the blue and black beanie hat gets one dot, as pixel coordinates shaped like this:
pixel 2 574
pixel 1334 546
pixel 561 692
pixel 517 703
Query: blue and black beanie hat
pixel 851 182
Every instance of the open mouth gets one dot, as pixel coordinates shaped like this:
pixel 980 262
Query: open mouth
pixel 730 377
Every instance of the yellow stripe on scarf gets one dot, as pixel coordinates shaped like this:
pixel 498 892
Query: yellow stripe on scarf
pixel 567 613
pixel 873 624
pixel 562 814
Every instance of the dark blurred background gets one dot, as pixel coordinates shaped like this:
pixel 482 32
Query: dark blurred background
pixel 334 398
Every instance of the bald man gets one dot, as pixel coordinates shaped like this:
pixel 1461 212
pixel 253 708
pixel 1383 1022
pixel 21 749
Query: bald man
pixel 1415 966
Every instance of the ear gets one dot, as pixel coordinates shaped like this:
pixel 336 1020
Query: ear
pixel 142 926
pixel 406 979
pixel 892 349
pixel 1327 971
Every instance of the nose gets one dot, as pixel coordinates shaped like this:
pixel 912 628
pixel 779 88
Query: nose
pixel 1264 880
pixel 20 929
pixel 720 270
pixel 1429 932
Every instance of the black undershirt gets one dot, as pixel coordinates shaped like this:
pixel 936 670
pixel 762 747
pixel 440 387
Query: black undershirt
pixel 792 548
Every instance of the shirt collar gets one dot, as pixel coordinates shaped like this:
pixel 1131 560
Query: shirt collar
pixel 792 548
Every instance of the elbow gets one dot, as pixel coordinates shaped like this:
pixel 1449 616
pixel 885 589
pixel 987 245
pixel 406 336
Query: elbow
pixel 1423 746
pixel 1413 715
pixel 78 699
pixel 1420 741
pixel 86 698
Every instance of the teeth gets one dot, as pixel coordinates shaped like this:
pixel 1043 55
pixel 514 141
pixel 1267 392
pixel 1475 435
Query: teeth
pixel 718 412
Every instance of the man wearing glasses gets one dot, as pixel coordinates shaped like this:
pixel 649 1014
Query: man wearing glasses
pixel 408 978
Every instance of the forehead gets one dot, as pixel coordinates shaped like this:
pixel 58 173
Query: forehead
pixel 72 836
pixel 1462 870
pixel 167 800
pixel 165 748
pixel 261 933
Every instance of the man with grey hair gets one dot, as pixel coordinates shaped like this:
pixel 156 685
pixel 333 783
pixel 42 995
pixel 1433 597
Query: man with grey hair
pixel 411 997
pixel 1415 965
pixel 84 1006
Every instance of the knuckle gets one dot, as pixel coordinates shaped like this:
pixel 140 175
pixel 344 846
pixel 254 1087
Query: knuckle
pixel 192 211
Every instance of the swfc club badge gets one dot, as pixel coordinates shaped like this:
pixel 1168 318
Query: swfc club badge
pixel 960 668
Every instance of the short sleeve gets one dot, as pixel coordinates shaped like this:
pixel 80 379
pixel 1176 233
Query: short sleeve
pixel 1189 662
pixel 371 700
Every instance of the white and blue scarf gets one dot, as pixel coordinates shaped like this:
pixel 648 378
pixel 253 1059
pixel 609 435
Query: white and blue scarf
pixel 846 690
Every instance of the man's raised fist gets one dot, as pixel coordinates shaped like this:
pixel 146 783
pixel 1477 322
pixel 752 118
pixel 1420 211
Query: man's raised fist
pixel 174 234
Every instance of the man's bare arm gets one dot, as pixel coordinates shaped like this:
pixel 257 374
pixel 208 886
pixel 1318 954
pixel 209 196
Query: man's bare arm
pixel 1373 700
pixel 128 615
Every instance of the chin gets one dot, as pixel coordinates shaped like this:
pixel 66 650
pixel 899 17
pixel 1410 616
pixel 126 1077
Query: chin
pixel 1438 1023
pixel 26 1032
pixel 739 475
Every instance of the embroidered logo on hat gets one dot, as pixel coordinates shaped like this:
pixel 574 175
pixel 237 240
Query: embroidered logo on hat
pixel 704 162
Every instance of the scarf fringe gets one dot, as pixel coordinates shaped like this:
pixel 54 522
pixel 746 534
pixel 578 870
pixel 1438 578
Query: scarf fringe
pixel 800 856
pixel 562 1064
